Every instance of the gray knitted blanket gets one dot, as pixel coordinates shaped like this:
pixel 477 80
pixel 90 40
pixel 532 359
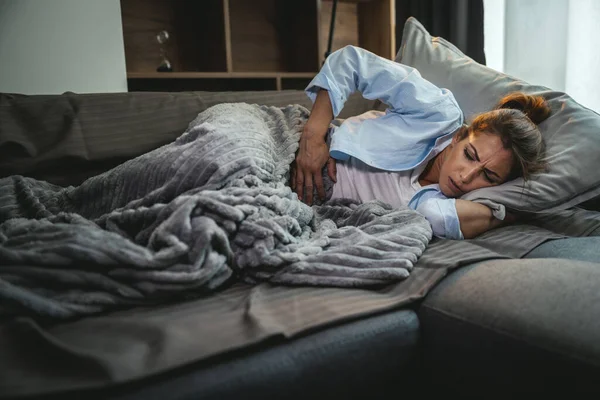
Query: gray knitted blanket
pixel 185 218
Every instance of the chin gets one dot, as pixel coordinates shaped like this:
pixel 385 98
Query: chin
pixel 447 191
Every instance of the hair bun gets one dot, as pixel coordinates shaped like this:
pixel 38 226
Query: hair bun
pixel 535 107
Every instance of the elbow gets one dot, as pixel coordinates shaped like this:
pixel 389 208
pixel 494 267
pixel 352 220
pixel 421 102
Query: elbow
pixel 343 51
pixel 349 48
pixel 349 52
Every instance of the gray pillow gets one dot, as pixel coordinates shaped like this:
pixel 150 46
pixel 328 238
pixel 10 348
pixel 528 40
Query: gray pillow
pixel 572 133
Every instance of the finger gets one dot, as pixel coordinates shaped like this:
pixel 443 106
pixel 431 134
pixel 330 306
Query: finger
pixel 299 184
pixel 293 178
pixel 319 185
pixel 332 169
pixel 308 185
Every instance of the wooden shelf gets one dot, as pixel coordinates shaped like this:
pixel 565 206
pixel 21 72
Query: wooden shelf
pixel 197 36
pixel 217 81
pixel 246 44
pixel 216 75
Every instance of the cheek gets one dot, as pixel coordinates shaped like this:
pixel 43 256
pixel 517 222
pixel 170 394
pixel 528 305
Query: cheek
pixel 449 166
pixel 445 171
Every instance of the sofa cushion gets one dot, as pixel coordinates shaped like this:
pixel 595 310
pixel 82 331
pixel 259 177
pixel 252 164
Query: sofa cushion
pixel 575 248
pixel 514 326
pixel 572 133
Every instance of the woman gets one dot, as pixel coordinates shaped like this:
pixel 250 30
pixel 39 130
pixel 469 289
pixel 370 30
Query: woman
pixel 418 153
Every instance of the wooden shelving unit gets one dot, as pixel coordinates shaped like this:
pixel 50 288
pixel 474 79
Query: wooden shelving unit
pixel 243 44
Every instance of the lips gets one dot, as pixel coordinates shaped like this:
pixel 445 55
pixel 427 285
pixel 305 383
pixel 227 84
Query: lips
pixel 454 186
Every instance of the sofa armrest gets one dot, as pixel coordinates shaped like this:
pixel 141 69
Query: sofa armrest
pixel 515 326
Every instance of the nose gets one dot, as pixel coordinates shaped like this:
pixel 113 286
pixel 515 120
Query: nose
pixel 469 174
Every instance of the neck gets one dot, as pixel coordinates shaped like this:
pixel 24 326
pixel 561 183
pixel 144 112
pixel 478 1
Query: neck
pixel 431 174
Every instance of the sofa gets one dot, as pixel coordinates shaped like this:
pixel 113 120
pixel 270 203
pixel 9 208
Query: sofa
pixel 495 324
pixel 495 328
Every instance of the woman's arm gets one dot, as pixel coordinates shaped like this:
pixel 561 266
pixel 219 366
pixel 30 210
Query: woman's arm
pixel 454 218
pixel 346 71
pixel 352 69
pixel 313 152
pixel 476 218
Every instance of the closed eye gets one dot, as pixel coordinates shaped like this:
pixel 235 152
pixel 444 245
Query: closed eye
pixel 485 174
pixel 468 155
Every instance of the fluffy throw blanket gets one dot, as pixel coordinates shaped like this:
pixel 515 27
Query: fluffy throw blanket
pixel 185 218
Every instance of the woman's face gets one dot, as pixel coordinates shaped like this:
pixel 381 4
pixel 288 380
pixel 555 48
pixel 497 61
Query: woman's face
pixel 477 161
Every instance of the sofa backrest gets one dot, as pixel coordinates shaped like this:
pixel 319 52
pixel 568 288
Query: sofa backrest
pixel 66 138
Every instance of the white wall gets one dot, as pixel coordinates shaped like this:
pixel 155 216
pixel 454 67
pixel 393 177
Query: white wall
pixel 546 42
pixel 53 46
pixel 536 41
pixel 493 33
pixel 583 58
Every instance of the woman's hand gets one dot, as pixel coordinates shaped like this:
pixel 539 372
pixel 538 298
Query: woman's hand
pixel 310 159
pixel 313 152
pixel 331 172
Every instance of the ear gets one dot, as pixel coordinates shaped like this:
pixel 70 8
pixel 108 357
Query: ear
pixel 455 139
pixel 459 135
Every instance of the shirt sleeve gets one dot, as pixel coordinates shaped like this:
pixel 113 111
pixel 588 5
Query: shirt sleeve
pixel 399 86
pixel 439 210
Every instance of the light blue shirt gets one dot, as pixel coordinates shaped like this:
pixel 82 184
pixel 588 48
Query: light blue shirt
pixel 439 210
pixel 418 123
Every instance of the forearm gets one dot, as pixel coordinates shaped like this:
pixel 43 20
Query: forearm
pixel 313 151
pixel 475 218
pixel 320 117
